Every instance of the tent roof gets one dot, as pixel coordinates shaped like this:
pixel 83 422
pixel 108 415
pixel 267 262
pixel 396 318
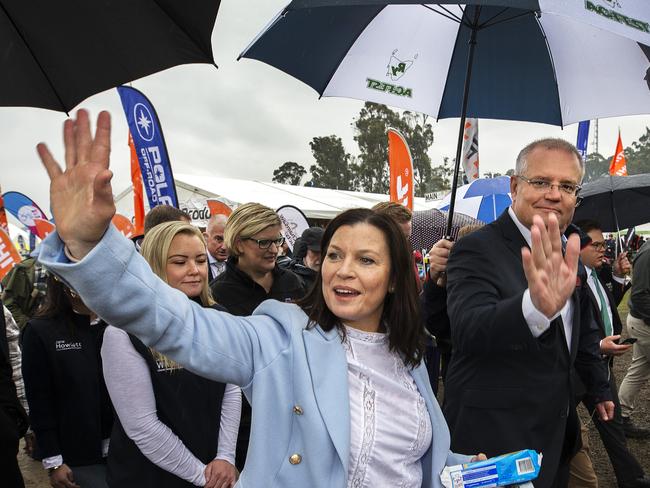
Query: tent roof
pixel 317 203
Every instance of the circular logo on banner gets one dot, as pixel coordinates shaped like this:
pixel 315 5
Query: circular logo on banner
pixel 143 122
pixel 27 214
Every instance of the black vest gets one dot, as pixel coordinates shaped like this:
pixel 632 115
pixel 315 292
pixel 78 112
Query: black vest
pixel 189 405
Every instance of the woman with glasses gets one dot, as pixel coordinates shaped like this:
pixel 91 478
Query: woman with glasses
pixel 253 238
pixel 340 395
pixel 174 428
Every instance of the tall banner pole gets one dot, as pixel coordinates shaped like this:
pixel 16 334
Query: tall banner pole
pixel 583 137
pixel 470 151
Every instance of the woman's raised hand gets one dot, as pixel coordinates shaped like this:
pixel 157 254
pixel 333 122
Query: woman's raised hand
pixel 81 197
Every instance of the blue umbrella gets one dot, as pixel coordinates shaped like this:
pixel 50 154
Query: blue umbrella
pixel 550 61
pixel 484 199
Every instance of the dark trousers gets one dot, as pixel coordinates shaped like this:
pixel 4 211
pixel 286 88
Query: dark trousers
pixel 11 477
pixel 626 467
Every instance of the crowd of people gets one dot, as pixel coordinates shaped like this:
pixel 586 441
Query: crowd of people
pixel 222 358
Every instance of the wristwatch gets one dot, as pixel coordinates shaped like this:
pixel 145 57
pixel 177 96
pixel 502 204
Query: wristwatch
pixel 53 469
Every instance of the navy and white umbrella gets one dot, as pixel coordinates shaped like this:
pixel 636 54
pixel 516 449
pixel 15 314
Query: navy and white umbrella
pixel 551 61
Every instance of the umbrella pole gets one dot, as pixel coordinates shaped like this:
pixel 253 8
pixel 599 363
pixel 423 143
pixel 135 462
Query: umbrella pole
pixel 459 146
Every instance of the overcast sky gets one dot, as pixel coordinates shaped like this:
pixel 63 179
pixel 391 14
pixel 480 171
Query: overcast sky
pixel 246 118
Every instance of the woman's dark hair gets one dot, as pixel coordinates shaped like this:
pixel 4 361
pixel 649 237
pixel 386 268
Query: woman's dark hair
pixel 401 313
pixel 56 301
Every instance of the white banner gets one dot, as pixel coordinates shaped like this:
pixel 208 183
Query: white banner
pixel 294 223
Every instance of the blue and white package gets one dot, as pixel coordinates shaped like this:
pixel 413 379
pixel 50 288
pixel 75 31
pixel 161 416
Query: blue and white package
pixel 515 468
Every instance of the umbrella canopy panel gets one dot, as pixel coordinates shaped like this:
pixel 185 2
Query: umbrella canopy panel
pixel 625 199
pixel 56 54
pixel 429 227
pixel 540 67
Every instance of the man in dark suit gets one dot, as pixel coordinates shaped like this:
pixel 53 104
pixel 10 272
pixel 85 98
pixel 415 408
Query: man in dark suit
pixel 519 325
pixel 217 251
pixel 605 289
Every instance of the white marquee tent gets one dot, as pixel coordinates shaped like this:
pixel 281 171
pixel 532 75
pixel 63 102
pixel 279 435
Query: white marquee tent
pixel 316 203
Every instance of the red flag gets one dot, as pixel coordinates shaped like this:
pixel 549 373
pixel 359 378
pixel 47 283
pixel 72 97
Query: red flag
pixel 401 169
pixel 9 256
pixel 138 199
pixel 619 164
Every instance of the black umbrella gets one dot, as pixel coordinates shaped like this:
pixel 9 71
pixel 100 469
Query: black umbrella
pixel 56 54
pixel 429 226
pixel 616 202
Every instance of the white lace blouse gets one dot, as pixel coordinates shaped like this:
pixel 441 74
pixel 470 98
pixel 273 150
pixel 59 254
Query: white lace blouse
pixel 390 425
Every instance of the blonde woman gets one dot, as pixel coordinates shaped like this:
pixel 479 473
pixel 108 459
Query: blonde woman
pixel 175 429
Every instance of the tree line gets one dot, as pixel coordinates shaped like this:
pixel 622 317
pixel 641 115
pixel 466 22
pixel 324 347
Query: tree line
pixel 368 171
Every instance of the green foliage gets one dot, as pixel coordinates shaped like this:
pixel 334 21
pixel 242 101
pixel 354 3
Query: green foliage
pixel 638 155
pixel 334 167
pixel 371 127
pixel 289 173
pixel 595 167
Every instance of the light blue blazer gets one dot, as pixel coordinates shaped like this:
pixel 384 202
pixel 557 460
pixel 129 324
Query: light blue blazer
pixel 295 378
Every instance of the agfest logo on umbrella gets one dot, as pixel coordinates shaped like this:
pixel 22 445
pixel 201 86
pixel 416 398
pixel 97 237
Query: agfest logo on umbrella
pixel 612 14
pixel 395 69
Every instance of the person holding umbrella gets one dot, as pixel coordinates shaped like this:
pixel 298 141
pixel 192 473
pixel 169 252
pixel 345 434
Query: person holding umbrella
pixel 324 371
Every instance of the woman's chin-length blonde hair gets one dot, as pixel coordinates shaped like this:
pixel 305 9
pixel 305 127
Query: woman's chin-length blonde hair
pixel 246 221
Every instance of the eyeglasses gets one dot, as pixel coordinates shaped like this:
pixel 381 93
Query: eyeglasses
pixel 266 243
pixel 598 246
pixel 544 186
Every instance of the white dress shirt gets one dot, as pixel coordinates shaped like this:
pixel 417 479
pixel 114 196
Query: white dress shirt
pixel 216 267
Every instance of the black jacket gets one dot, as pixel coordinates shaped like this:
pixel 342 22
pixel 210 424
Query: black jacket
pixel 640 297
pixel 306 275
pixel 237 291
pixel 69 407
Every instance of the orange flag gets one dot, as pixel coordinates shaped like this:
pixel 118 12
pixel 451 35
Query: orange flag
pixel 217 207
pixel 124 225
pixel 3 215
pixel 401 169
pixel 9 256
pixel 138 199
pixel 619 164
pixel 43 227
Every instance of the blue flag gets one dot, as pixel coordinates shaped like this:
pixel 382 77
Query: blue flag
pixel 583 135
pixel 150 146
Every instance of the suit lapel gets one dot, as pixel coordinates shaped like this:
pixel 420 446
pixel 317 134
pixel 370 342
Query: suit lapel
pixel 438 423
pixel 512 237
pixel 329 375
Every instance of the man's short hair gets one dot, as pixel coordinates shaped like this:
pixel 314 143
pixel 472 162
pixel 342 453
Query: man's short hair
pixel 396 211
pixel 163 213
pixel 587 225
pixel 550 144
